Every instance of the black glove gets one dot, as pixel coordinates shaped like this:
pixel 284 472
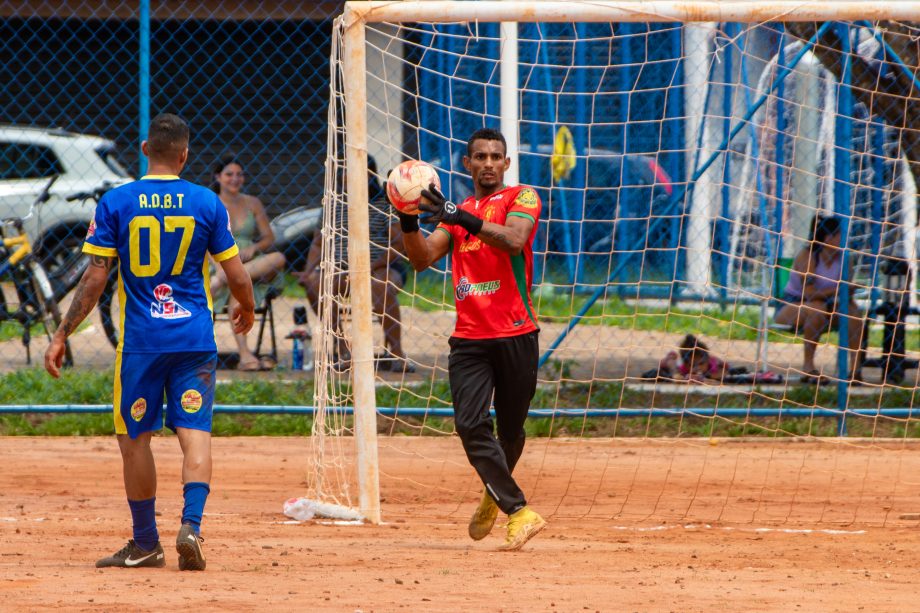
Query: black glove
pixel 407 223
pixel 443 210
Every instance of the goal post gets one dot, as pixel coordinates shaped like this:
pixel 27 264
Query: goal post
pixel 634 257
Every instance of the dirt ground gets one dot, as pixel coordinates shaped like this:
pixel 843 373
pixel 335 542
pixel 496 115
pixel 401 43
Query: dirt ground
pixel 634 525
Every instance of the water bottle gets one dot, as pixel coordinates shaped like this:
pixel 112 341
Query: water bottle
pixel 299 336
pixel 297 354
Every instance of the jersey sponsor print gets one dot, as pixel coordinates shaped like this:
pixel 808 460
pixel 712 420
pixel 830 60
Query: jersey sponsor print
pixel 161 229
pixel 491 286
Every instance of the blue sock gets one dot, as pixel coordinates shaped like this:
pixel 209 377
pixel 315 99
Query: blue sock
pixel 143 513
pixel 196 494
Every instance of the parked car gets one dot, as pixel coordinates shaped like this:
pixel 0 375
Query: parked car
pixel 29 158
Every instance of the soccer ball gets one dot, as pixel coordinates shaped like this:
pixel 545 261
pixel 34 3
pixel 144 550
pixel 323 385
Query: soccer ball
pixel 406 182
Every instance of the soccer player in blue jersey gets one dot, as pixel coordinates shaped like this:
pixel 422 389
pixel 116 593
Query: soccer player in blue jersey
pixel 161 229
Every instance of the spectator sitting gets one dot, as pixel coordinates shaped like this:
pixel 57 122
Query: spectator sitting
pixel 692 362
pixel 254 236
pixel 387 273
pixel 809 301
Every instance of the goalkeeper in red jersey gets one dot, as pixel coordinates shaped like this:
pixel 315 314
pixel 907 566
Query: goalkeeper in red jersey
pixel 493 350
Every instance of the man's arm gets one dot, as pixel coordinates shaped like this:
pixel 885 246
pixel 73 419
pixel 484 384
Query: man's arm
pixel 90 287
pixel 240 284
pixel 510 237
pixel 422 251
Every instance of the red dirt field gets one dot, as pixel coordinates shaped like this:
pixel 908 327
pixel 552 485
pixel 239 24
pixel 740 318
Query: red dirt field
pixel 792 527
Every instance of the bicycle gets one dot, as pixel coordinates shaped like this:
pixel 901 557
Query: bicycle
pixel 19 265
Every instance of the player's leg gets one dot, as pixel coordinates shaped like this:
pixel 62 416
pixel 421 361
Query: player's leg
pixel 471 384
pixel 385 284
pixel 515 365
pixel 265 267
pixel 138 402
pixel 189 406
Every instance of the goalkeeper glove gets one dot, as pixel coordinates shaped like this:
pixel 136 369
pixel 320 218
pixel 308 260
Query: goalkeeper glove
pixel 407 223
pixel 443 210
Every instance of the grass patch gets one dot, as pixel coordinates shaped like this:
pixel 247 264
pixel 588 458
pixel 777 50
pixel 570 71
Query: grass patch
pixel 33 386
pixel 430 292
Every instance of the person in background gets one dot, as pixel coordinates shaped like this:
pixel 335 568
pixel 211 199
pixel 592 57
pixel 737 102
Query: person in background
pixel 810 300
pixel 692 362
pixel 255 238
pixel 387 272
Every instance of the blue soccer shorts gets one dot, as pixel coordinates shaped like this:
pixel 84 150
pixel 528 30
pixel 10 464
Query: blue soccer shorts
pixel 141 380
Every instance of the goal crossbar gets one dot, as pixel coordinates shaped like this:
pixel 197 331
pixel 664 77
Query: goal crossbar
pixel 355 100
pixel 443 11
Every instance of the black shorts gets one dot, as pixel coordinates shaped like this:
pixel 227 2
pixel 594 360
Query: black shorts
pixel 506 365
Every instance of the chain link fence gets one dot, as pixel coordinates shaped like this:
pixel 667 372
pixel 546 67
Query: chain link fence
pixel 251 79
pixel 636 218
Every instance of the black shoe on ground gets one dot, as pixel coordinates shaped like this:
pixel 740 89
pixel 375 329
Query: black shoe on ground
pixel 188 544
pixel 132 556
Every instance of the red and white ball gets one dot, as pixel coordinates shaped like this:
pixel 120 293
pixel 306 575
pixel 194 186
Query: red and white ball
pixel 406 182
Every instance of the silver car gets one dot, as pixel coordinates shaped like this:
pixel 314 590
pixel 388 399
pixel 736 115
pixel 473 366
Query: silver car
pixel 29 158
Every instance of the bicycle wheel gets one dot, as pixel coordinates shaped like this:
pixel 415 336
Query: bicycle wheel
pixel 46 306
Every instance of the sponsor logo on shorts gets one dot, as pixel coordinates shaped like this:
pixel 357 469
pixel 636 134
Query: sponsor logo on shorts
pixel 485 288
pixel 191 401
pixel 138 409
pixel 165 307
pixel 527 198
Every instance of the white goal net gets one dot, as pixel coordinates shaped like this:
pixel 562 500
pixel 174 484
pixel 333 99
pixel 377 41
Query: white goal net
pixel 681 165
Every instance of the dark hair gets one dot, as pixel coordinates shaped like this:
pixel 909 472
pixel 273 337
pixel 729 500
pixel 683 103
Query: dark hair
pixel 693 351
pixel 167 136
pixel 822 227
pixel 224 161
pixel 485 134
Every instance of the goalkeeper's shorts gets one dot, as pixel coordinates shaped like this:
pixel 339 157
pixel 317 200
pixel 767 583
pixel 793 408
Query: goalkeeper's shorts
pixel 141 380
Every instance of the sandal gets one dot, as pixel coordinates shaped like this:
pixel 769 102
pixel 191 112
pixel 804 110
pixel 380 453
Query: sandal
pixel 267 362
pixel 813 377
pixel 250 366
pixel 388 362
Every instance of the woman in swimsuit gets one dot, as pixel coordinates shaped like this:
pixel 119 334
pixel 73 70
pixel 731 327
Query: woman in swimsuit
pixel 254 236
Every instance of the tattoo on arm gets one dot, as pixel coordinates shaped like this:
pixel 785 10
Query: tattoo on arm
pixel 83 302
pixel 80 307
pixel 100 261
pixel 498 236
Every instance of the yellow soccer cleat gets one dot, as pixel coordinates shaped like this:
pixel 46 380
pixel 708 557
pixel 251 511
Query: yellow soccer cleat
pixel 483 518
pixel 523 525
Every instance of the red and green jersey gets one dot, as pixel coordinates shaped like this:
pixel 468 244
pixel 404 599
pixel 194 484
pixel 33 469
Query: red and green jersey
pixel 491 286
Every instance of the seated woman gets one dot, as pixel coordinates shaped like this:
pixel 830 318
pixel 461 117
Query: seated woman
pixel 809 302
pixel 255 238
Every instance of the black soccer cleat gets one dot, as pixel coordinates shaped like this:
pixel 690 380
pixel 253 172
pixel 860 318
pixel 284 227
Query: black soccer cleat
pixel 188 544
pixel 132 556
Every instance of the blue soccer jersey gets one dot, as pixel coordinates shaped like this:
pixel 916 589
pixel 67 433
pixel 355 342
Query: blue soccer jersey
pixel 161 228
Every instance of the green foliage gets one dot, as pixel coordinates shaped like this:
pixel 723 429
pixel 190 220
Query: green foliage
pixel 428 291
pixel 34 386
